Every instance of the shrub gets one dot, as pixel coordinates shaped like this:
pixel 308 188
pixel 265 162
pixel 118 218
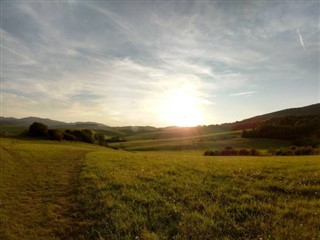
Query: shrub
pixel 85 135
pixel 100 138
pixel 116 139
pixel 295 150
pixel 229 151
pixel 254 152
pixel 207 153
pixel 55 134
pixel 244 152
pixel 38 129
pixel 68 136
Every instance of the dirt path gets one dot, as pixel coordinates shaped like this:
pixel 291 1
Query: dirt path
pixel 39 184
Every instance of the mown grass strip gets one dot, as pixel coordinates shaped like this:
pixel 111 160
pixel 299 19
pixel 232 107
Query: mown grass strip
pixel 38 188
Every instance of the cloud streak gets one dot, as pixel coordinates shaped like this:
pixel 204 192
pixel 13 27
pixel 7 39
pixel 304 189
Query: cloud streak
pixel 90 60
pixel 301 39
pixel 242 93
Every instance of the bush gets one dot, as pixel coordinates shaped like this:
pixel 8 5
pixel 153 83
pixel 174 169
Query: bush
pixel 254 152
pixel 85 135
pixel 100 138
pixel 308 141
pixel 207 153
pixel 38 129
pixel 68 136
pixel 229 151
pixel 244 152
pixel 116 139
pixel 55 134
pixel 295 151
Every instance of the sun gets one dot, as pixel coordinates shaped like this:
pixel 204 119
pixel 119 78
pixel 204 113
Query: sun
pixel 179 107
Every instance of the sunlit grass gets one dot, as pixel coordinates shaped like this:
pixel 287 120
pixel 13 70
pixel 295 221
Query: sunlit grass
pixel 174 196
pixel 38 183
pixel 52 190
pixel 142 142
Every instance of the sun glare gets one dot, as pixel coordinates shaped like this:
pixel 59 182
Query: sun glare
pixel 180 108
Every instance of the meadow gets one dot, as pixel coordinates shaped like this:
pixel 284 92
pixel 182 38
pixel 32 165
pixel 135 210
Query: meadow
pixel 64 190
pixel 171 141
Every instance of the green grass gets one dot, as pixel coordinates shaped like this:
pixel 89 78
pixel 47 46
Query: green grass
pixel 38 183
pixel 174 132
pixel 13 129
pixel 163 196
pixel 53 190
pixel 198 142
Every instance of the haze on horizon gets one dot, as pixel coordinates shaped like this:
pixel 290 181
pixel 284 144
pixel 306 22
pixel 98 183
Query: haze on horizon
pixel 158 62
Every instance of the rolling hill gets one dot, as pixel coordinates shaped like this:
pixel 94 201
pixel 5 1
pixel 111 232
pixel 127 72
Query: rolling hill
pixel 313 109
pixel 27 121
pixel 16 125
pixel 162 132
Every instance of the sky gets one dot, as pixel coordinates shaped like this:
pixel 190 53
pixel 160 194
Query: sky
pixel 158 63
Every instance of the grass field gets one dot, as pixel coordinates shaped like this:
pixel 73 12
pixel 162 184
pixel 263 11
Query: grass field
pixel 38 187
pixel 204 142
pixel 59 190
pixel 172 139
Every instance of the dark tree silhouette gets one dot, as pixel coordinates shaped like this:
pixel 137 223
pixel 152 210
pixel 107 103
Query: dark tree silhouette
pixel 302 130
pixel 101 139
pixel 55 134
pixel 38 129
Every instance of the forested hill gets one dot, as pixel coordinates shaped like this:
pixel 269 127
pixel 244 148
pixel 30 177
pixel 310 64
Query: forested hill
pixel 255 121
pixel 239 125
pixel 27 121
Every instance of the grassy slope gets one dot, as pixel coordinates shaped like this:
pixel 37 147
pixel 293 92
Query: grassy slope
pixel 141 142
pixel 77 191
pixel 38 187
pixel 201 139
pixel 166 196
pixel 13 129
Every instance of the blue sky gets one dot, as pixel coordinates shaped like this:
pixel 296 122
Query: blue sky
pixel 125 62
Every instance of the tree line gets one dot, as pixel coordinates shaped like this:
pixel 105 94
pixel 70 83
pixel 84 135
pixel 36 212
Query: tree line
pixel 230 151
pixel 301 130
pixel 40 130
pixel 284 151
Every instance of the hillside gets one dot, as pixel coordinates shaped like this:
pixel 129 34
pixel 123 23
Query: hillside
pixel 63 190
pixel 27 121
pixel 313 109
pixel 149 133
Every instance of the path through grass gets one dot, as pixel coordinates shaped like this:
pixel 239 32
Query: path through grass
pixel 52 190
pixel 39 184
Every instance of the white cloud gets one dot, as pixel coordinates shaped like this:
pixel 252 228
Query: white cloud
pixel 98 58
pixel 301 39
pixel 242 93
pixel 15 51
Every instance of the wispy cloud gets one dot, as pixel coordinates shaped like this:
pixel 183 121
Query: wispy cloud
pixel 242 93
pixel 301 39
pixel 89 60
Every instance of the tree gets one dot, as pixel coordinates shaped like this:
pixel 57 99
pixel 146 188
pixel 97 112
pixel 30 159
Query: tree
pixel 55 134
pixel 38 129
pixel 85 135
pixel 101 138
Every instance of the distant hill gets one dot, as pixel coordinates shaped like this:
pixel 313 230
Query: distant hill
pixel 28 121
pixel 302 130
pixel 133 130
pixel 16 125
pixel 254 121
